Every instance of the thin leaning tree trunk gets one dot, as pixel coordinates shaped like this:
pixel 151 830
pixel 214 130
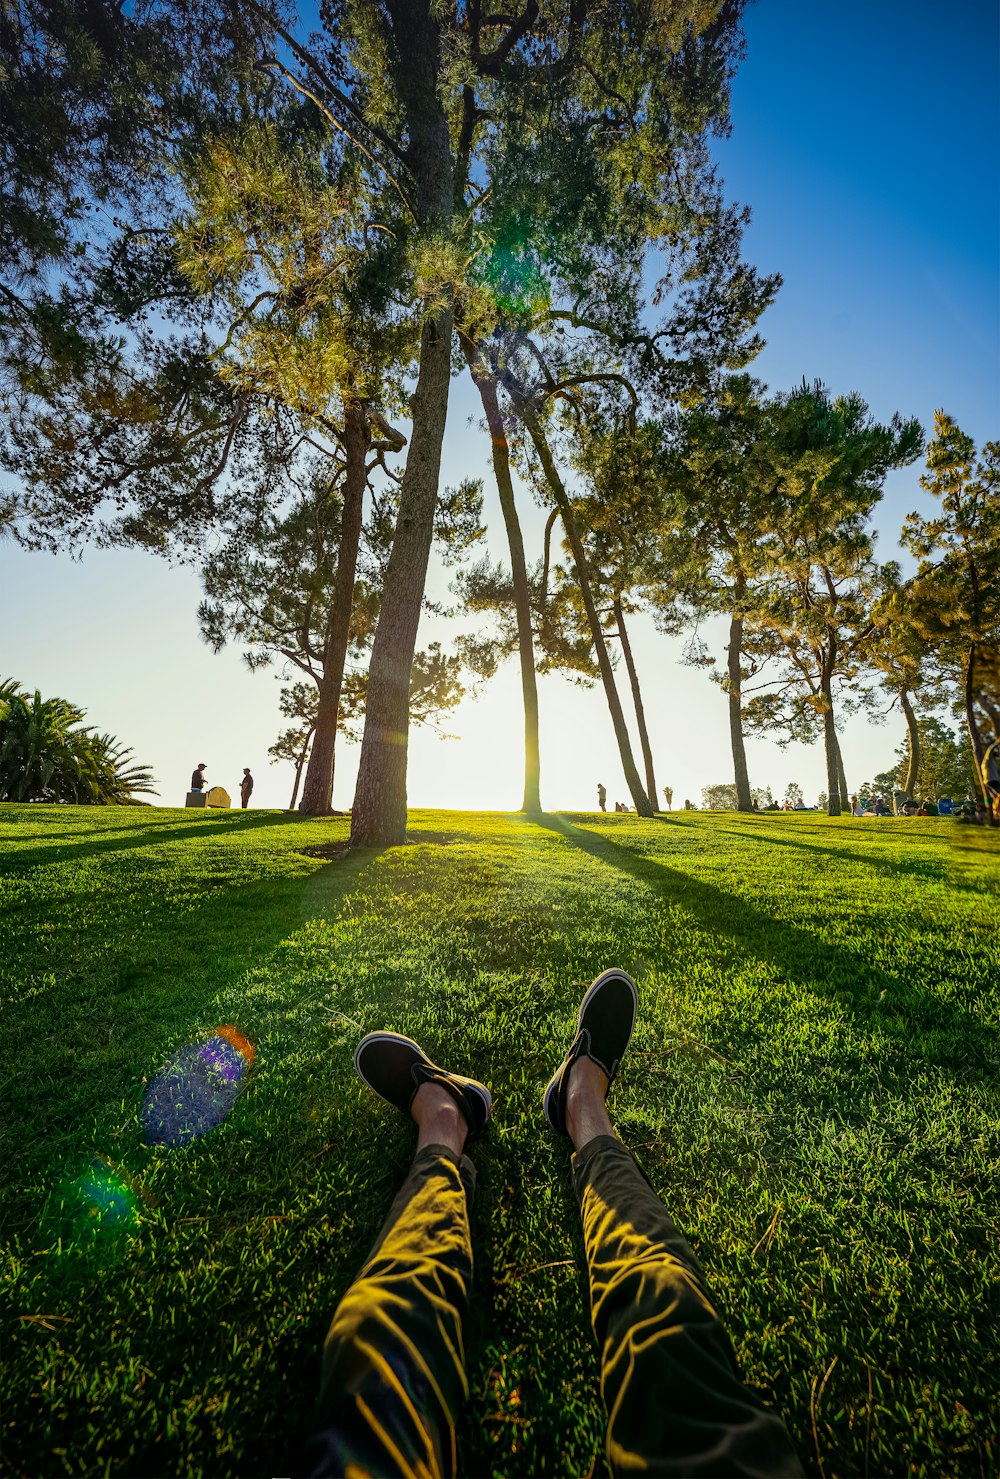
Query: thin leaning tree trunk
pixel 317 791
pixel 913 742
pixel 300 762
pixel 632 780
pixel 640 713
pixel 531 801
pixel 744 801
pixel 991 711
pixel 970 720
pixel 547 554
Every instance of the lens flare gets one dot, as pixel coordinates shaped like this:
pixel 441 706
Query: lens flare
pixel 511 270
pixel 194 1092
pixel 108 1199
pixel 515 280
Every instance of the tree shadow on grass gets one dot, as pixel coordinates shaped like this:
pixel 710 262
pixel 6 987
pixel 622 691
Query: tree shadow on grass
pixel 667 817
pixel 804 959
pixel 124 994
pixel 925 870
pixel 78 1053
pixel 26 859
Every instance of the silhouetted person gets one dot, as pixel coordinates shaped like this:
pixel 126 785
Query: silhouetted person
pixel 602 797
pixel 198 777
pixel 394 1360
pixel 246 787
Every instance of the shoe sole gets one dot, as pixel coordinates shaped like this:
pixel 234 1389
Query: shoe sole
pixel 550 1091
pixel 480 1090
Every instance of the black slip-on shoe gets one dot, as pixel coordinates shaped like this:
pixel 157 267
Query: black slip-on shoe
pixel 604 1028
pixel 394 1068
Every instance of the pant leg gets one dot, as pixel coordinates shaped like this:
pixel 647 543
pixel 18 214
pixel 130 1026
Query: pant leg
pixel 394 1361
pixel 671 1385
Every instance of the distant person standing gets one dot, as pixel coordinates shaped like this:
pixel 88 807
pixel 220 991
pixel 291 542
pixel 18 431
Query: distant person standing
pixel 246 787
pixel 602 797
pixel 198 777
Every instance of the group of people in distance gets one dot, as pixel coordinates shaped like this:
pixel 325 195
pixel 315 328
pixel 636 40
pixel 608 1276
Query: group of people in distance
pixel 246 784
pixel 969 810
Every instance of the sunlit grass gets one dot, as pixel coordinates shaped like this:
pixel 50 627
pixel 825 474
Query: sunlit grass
pixel 812 1088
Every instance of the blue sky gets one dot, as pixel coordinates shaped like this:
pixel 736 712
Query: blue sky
pixel 866 142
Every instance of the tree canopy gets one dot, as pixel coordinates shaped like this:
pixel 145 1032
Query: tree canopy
pixel 48 753
pixel 245 249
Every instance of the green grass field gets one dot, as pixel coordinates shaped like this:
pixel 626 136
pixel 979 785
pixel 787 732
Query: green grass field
pixel 813 1089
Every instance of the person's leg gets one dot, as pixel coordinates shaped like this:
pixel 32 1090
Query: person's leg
pixel 393 1363
pixel 676 1404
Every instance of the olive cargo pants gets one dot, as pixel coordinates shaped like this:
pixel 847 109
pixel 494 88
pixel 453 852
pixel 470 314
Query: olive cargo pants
pixel 394 1362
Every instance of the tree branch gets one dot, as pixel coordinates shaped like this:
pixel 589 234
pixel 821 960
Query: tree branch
pixel 489 63
pixel 274 65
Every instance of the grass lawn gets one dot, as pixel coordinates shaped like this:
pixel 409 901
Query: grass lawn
pixel 813 1089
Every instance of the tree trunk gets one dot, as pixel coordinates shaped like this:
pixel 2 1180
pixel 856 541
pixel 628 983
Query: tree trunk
pixel 317 792
pixel 913 740
pixel 991 711
pixel 833 760
pixel 744 801
pixel 531 801
pixel 378 816
pixel 640 713
pixel 845 800
pixel 300 762
pixel 833 807
pixel 379 812
pixel 547 554
pixel 639 797
pixel 970 720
